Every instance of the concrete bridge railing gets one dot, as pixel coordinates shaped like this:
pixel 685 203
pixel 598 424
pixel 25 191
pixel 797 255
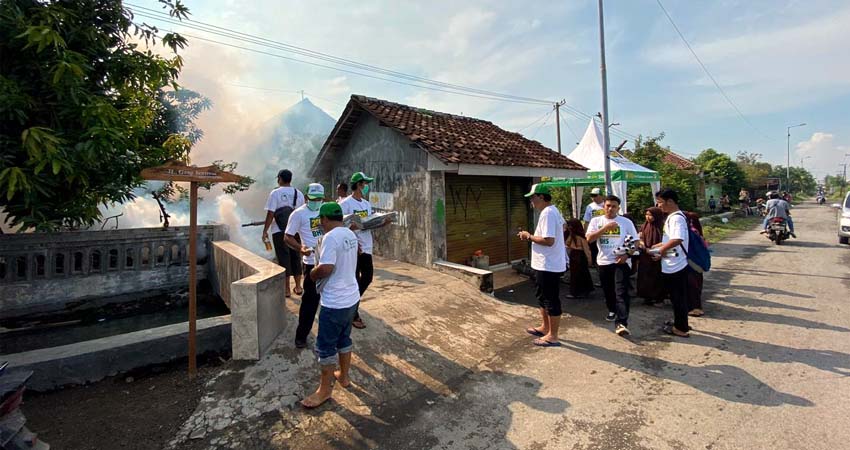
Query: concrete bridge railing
pixel 253 289
pixel 46 272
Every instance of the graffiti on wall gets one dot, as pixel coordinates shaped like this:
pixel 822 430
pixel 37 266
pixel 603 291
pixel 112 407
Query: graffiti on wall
pixel 467 199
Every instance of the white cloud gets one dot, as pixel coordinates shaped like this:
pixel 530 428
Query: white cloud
pixel 822 153
pixel 788 65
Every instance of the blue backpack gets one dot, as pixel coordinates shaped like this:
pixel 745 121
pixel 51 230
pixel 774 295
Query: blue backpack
pixel 697 253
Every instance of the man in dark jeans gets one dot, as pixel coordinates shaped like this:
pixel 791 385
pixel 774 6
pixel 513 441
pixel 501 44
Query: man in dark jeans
pixel 674 261
pixel 306 223
pixel 610 231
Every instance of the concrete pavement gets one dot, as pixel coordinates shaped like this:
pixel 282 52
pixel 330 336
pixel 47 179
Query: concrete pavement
pixel 443 366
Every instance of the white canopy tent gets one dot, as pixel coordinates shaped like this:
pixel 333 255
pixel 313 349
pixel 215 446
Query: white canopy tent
pixel 590 154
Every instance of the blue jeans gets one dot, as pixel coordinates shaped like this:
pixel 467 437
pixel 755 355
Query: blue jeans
pixel 334 335
pixel 789 220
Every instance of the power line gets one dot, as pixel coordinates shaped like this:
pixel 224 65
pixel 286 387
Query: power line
pixel 545 121
pixel 710 76
pixel 429 84
pixel 244 37
pixel 287 91
pixel 256 40
pixel 570 128
pixel 532 123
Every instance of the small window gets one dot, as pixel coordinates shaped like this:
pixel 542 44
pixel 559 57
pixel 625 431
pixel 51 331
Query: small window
pixel 146 256
pixel 3 267
pixel 40 264
pixel 175 254
pixel 21 267
pixel 78 262
pixel 113 258
pixel 129 259
pixel 160 255
pixel 59 264
pixel 95 261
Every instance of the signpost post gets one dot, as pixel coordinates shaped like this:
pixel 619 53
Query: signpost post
pixel 176 171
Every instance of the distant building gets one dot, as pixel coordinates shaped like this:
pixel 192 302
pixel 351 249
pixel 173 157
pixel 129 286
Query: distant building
pixel 457 182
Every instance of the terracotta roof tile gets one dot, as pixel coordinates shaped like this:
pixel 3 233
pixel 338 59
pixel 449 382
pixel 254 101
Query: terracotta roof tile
pixel 465 140
pixel 679 162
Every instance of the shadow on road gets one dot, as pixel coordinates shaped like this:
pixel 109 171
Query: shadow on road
pixel 723 381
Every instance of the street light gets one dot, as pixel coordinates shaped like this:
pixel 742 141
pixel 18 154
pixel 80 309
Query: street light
pixel 788 161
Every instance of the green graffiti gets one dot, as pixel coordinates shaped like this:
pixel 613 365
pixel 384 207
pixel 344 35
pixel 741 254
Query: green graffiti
pixel 440 211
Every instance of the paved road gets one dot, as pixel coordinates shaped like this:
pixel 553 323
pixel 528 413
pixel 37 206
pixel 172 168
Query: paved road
pixel 441 366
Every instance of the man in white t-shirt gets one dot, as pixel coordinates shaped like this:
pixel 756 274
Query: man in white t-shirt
pixel 549 260
pixel 284 196
pixel 358 203
pixel 609 231
pixel 672 251
pixel 337 263
pixel 594 209
pixel 305 224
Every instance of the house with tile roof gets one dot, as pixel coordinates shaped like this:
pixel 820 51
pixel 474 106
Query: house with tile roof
pixel 457 182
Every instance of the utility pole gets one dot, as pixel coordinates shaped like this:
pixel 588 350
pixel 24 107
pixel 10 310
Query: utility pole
pixel 558 122
pixel 606 142
pixel 788 155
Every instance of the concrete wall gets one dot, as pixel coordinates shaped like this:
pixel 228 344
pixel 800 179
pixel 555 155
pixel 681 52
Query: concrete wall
pixel 399 168
pixel 253 288
pixel 47 272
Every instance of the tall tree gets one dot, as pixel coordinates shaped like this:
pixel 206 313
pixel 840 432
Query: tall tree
pixel 721 168
pixel 79 97
pixel 649 153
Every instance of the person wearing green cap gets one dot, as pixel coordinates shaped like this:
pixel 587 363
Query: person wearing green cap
pixel 334 275
pixel 358 203
pixel 549 260
pixel 305 223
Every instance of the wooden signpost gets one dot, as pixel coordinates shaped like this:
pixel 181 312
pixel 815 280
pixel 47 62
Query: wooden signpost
pixel 176 171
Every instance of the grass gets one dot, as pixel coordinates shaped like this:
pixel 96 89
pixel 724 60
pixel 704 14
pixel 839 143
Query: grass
pixel 715 230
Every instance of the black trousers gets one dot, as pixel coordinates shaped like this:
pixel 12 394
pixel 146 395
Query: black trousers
pixel 549 291
pixel 364 274
pixel 287 258
pixel 677 287
pixel 616 282
pixel 309 306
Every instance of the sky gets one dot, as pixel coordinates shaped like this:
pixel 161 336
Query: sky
pixel 782 62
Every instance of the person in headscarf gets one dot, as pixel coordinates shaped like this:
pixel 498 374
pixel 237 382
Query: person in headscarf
pixel 695 279
pixel 578 251
pixel 649 286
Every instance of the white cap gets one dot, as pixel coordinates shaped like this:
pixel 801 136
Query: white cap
pixel 595 191
pixel 315 191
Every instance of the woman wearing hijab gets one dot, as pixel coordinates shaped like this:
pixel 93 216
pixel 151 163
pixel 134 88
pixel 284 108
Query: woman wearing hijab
pixel 649 285
pixel 578 251
pixel 695 279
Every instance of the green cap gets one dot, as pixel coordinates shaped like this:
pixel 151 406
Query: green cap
pixel 538 189
pixel 330 209
pixel 360 176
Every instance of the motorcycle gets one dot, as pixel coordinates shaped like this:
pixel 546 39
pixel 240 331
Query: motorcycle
pixel 777 230
pixel 821 199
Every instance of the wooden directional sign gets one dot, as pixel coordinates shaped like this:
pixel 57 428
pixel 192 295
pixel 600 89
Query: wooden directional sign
pixel 176 171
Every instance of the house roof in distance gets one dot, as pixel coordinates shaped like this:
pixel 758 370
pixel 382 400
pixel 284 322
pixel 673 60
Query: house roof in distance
pixel 451 138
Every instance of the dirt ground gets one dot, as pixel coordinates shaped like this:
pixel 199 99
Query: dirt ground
pixel 137 411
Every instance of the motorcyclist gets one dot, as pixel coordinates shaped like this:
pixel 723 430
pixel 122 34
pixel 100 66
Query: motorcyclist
pixel 777 207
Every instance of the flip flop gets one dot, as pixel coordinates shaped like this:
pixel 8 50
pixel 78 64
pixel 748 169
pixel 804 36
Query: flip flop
pixel 670 323
pixel 298 291
pixel 670 330
pixel 545 343
pixel 358 323
pixel 534 332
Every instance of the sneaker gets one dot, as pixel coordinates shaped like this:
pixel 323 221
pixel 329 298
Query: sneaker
pixel 300 344
pixel 610 317
pixel 621 330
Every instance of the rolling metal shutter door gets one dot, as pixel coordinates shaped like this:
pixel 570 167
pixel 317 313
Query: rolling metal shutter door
pixel 476 218
pixel 520 215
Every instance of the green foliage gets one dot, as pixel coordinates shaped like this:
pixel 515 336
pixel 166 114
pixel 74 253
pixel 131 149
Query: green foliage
pixel 79 108
pixel 755 172
pixel 720 167
pixel 801 180
pixel 649 153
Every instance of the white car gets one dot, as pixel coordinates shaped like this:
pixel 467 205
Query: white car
pixel 844 220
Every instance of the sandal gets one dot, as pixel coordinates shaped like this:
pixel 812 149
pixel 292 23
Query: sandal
pixel 669 323
pixel 545 343
pixel 358 323
pixel 696 313
pixel 298 291
pixel 534 332
pixel 673 331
